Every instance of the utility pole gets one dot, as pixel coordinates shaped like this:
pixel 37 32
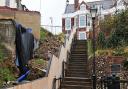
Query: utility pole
pixel 51 22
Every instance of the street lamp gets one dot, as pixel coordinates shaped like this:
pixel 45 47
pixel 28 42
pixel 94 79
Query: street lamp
pixel 93 12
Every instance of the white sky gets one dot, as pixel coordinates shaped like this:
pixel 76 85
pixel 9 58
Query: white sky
pixel 49 8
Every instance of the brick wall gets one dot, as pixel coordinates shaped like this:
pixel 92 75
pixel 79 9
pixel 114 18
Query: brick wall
pixel 28 19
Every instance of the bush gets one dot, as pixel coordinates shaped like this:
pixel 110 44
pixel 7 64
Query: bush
pixel 118 52
pixel 6 75
pixel 125 64
pixel 90 48
pixel 102 53
pixel 101 40
pixel 112 41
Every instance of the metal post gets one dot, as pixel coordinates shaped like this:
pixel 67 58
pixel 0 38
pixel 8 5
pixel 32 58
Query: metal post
pixel 94 62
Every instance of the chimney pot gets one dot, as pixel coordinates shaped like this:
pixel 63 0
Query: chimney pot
pixel 76 4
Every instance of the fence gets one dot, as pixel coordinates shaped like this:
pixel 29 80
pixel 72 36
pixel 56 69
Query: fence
pixel 112 83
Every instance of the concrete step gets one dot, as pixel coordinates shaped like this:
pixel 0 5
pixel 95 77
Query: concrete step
pixel 78 54
pixel 77 72
pixel 78 59
pixel 77 64
pixel 79 79
pixel 77 75
pixel 75 87
pixel 77 83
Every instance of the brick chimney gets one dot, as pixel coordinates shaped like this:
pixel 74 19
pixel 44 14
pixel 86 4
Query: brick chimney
pixel 76 4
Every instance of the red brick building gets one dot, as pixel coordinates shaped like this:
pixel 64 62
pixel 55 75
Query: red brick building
pixel 77 17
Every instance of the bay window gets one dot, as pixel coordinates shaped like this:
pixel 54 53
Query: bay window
pixel 82 21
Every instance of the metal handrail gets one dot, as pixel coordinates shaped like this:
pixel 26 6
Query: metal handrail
pixel 55 82
pixel 49 66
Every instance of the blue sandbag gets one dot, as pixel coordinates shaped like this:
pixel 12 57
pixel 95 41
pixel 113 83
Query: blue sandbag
pixel 23 76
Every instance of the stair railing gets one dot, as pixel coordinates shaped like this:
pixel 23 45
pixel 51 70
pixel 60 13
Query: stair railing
pixel 62 56
pixel 48 67
pixel 55 81
pixel 65 64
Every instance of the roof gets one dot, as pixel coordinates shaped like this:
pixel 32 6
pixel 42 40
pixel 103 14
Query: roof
pixel 107 4
pixel 92 3
pixel 69 9
pixel 126 1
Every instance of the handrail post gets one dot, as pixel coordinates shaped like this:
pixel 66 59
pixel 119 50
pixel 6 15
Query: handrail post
pixel 62 69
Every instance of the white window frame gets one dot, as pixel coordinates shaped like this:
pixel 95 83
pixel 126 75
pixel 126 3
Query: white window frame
pixel 66 23
pixel 88 20
pixel 7 3
pixel 85 36
pixel 75 21
pixel 82 7
pixel 80 21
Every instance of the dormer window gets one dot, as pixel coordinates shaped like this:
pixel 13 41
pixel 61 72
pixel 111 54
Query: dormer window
pixel 7 3
pixel 82 7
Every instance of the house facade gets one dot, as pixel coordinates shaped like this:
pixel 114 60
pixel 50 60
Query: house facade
pixel 77 17
pixel 11 3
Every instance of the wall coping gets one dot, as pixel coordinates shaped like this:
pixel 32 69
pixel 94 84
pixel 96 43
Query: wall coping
pixel 6 9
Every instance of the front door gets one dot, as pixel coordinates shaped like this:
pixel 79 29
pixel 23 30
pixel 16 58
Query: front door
pixel 82 36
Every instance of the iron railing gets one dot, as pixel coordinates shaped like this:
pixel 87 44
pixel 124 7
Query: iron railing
pixel 112 83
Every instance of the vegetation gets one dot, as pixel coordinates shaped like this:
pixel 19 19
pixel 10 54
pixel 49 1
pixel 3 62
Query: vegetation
pixel 101 40
pixel 90 50
pixel 113 38
pixel 117 28
pixel 1 53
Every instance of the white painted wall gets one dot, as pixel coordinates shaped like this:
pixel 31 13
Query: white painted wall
pixel 12 3
pixel 2 2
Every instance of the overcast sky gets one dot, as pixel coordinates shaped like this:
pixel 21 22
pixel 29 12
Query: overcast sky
pixel 49 8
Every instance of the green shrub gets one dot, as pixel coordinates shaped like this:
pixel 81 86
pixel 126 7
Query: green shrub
pixel 101 40
pixel 102 53
pixel 112 41
pixel 6 75
pixel 90 48
pixel 125 64
pixel 119 52
pixel 42 34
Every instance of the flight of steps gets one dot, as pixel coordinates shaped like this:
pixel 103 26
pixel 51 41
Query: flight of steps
pixel 77 74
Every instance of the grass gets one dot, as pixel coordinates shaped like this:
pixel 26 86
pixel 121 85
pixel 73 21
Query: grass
pixel 39 61
pixel 5 75
pixel 42 34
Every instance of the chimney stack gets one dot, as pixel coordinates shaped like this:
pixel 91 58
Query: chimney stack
pixel 76 4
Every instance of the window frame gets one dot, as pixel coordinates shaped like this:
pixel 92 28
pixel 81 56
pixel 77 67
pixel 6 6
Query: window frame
pixel 7 3
pixel 80 20
pixel 82 7
pixel 66 19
